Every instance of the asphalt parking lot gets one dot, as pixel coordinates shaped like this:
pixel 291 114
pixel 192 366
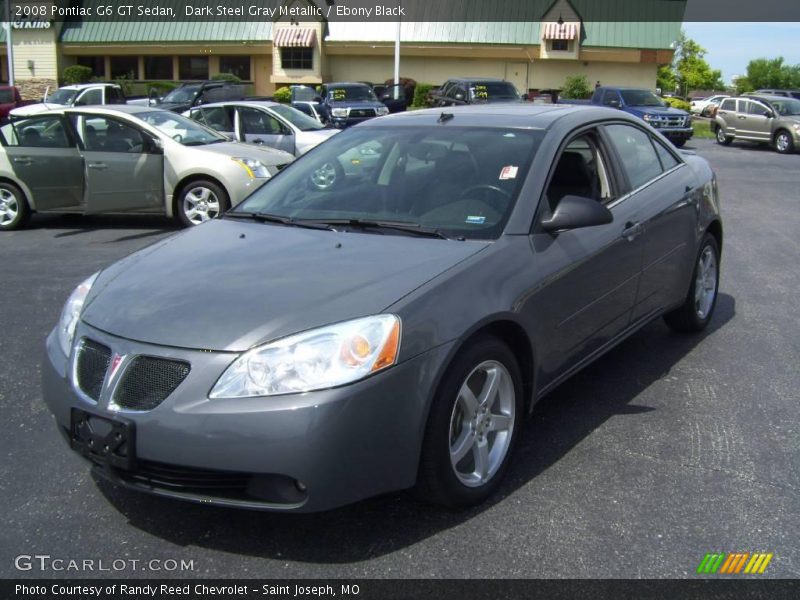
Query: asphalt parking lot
pixel 667 448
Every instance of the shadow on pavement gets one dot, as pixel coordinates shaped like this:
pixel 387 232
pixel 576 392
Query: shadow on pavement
pixel 390 523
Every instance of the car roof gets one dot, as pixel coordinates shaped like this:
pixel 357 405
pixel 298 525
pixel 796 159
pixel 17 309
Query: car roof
pixel 128 109
pixel 254 103
pixel 478 79
pixel 347 84
pixel 83 86
pixel 514 115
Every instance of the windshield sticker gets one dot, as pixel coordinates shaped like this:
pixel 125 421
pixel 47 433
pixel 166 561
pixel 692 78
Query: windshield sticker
pixel 480 91
pixel 509 172
pixel 475 220
pixel 338 94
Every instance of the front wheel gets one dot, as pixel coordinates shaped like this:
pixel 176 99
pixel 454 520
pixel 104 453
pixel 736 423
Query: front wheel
pixel 200 201
pixel 783 142
pixel 14 209
pixel 697 309
pixel 722 138
pixel 679 143
pixel 472 426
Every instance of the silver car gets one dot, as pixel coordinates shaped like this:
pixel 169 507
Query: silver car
pixel 773 120
pixel 125 159
pixel 268 123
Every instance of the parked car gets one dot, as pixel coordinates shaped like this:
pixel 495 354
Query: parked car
pixel 319 345
pixel 187 95
pixel 475 90
pixel 125 159
pixel 777 92
pixel 268 123
pixel 705 106
pixel 83 94
pixel 10 99
pixel 310 109
pixel 673 123
pixel 773 120
pixel 346 104
pixel 396 96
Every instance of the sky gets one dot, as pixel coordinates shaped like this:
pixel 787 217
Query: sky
pixel 731 46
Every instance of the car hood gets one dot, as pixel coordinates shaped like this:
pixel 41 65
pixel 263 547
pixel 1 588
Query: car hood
pixel 355 104
pixel 35 109
pixel 268 156
pixel 309 139
pixel 229 285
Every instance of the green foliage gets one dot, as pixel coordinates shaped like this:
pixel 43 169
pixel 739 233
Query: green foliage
pixel 690 69
pixel 126 82
pixel 77 74
pixel 677 103
pixel 226 77
pixel 283 94
pixel 421 92
pixel 162 88
pixel 576 87
pixel 665 80
pixel 769 73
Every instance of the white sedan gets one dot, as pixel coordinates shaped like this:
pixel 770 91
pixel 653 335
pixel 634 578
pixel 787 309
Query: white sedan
pixel 263 123
pixel 703 106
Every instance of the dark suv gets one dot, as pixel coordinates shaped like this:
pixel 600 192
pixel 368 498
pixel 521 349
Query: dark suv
pixel 472 90
pixel 347 103
pixel 187 95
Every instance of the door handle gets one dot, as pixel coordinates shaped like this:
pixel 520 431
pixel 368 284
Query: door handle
pixel 23 160
pixel 258 141
pixel 632 231
pixel 741 117
pixel 98 166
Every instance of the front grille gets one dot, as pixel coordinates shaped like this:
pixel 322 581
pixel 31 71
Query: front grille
pixel 148 381
pixel 91 366
pixel 187 479
pixel 362 112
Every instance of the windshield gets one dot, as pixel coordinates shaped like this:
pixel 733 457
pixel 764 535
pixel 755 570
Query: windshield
pixel 493 91
pixel 296 118
pixel 460 181
pixel 788 107
pixel 352 92
pixel 181 129
pixel 182 94
pixel 640 98
pixel 64 97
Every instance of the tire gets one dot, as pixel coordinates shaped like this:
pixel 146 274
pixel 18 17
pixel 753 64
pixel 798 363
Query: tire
pixel 14 209
pixel 784 144
pixel 679 143
pixel 199 201
pixel 698 308
pixel 462 434
pixel 722 138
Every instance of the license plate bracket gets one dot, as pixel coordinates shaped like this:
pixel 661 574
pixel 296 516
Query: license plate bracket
pixel 105 442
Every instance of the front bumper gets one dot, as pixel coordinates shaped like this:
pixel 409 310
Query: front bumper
pixel 342 122
pixel 676 133
pixel 299 452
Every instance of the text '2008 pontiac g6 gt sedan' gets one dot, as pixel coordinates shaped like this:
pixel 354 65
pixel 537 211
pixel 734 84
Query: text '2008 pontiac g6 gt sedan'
pixel 320 344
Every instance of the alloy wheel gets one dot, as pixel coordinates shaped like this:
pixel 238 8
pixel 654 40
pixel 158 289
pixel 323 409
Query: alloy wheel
pixel 200 204
pixel 782 142
pixel 705 285
pixel 9 207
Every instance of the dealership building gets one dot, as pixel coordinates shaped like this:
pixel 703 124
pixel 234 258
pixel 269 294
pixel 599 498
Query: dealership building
pixel 569 37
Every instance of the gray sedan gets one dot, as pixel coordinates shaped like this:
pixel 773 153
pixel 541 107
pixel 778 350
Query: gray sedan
pixel 323 344
pixel 125 159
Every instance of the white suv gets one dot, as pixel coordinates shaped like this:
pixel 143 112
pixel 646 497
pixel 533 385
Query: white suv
pixel 83 94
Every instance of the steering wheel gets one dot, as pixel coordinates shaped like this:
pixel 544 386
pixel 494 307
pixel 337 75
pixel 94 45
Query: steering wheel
pixel 485 187
pixel 177 137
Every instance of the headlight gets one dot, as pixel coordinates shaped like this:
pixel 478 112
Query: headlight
pixel 340 112
pixel 382 110
pixel 255 168
pixel 71 313
pixel 317 359
pixel 648 118
pixel 796 126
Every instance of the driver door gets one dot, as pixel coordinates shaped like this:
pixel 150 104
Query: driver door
pixel 124 165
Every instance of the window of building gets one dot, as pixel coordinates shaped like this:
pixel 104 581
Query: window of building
pixel 235 65
pixel 559 45
pixel 158 67
pixel 193 67
pixel 297 58
pixel 125 66
pixel 96 63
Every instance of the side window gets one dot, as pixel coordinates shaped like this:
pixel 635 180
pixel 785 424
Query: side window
pixel 458 90
pixel 729 104
pixel 756 108
pixel 256 121
pixel 635 149
pixel 37 132
pixel 217 117
pixel 580 171
pixel 114 95
pixel 90 97
pixel 103 134
pixel 668 160
pixel 741 106
pixel 609 97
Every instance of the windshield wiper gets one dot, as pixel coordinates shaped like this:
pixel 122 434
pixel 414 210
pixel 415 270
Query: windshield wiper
pixel 404 226
pixel 269 218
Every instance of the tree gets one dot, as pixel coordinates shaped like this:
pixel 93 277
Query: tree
pixel 77 74
pixel 769 73
pixel 665 80
pixel 575 87
pixel 692 71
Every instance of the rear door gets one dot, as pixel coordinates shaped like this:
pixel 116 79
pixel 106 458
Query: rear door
pixel 257 126
pixel 728 115
pixel 124 166
pixel 43 154
pixel 219 118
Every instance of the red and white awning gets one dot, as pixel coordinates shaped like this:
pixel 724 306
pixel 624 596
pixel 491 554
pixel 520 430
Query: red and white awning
pixel 562 31
pixel 301 37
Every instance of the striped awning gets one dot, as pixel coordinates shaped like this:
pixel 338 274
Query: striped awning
pixel 563 31
pixel 303 37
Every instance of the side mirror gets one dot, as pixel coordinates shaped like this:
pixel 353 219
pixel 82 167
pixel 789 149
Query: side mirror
pixel 574 212
pixel 154 146
pixel 524 97
pixel 318 99
pixel 614 103
pixel 459 97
